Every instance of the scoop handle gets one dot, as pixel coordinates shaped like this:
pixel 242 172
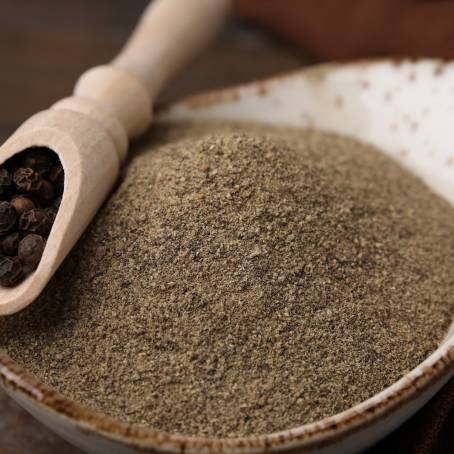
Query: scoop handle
pixel 169 33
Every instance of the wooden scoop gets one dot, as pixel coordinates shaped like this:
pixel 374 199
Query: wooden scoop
pixel 90 131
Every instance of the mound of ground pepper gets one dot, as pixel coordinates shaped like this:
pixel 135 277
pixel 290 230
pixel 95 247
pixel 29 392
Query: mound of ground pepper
pixel 244 280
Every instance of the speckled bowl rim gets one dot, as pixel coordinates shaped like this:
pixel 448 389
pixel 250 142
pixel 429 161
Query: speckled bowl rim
pixel 438 367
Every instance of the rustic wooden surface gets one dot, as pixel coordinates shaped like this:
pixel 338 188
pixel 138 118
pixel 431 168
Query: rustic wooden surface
pixel 44 46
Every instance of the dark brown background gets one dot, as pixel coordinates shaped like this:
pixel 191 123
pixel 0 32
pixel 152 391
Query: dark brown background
pixel 44 46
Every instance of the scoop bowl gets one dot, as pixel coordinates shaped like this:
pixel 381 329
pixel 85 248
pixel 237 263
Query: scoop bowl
pixel 91 164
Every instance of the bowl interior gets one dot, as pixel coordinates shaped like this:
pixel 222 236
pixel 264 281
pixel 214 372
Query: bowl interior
pixel 405 108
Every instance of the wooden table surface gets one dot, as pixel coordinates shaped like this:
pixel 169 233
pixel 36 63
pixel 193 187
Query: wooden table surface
pixel 44 46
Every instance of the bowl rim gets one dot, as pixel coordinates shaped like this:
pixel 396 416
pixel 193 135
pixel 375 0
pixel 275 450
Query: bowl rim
pixel 436 368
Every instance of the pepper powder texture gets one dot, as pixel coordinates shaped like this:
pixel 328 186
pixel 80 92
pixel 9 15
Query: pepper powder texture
pixel 242 283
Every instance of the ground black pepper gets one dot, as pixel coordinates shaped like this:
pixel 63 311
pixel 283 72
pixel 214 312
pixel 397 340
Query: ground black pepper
pixel 242 283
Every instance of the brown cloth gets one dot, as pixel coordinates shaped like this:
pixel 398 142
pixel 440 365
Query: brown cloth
pixel 339 29
pixel 348 29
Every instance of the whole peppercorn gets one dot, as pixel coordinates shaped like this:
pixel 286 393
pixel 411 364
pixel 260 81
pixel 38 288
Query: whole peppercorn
pixel 22 204
pixel 5 182
pixel 10 243
pixel 11 271
pixel 8 217
pixel 57 176
pixel 13 163
pixel 57 202
pixel 46 192
pixel 51 214
pixel 27 180
pixel 35 221
pixel 39 159
pixel 31 249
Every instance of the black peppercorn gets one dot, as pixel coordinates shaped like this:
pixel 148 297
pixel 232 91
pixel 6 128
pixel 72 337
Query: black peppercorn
pixel 57 176
pixel 35 221
pixel 22 204
pixel 46 192
pixel 57 202
pixel 31 187
pixel 10 243
pixel 27 180
pixel 5 182
pixel 39 159
pixel 31 249
pixel 51 214
pixel 11 271
pixel 13 163
pixel 8 217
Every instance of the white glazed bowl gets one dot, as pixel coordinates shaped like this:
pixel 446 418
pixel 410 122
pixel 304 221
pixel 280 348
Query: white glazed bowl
pixel 405 108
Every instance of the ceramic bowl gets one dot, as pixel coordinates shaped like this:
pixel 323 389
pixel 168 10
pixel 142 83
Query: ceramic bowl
pixel 405 108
